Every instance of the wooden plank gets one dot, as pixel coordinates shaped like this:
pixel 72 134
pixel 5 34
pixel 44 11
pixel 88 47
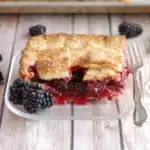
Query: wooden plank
pixel 106 133
pixel 137 6
pixel 7 33
pixel 94 135
pixel 83 131
pixel 18 133
pixel 135 137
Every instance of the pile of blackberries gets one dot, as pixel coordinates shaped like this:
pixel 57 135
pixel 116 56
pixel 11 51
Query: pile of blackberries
pixel 31 95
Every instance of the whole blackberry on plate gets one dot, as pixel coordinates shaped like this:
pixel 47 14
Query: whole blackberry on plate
pixel 130 30
pixel 37 30
pixel 36 99
pixel 16 91
pixel 47 101
pixel 18 88
pixel 32 107
pixel 30 94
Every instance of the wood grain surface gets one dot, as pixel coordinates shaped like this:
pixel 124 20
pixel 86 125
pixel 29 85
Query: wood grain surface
pixel 73 9
pixel 74 6
pixel 35 135
pixel 7 33
pixel 20 134
pixel 137 138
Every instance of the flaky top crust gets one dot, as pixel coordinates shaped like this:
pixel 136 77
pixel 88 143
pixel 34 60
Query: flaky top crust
pixel 54 55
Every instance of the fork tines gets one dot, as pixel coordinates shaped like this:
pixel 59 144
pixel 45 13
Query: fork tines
pixel 134 55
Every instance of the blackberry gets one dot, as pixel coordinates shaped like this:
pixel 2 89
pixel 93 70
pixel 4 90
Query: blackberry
pixel 1 79
pixel 36 99
pixel 47 101
pixel 37 30
pixel 16 91
pixel 33 85
pixel 32 107
pixel 1 58
pixel 30 94
pixel 130 30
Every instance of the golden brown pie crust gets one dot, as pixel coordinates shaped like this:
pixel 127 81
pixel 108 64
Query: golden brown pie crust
pixel 54 55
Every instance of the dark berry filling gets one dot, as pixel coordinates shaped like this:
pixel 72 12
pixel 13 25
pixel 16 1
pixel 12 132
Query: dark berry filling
pixel 81 92
pixel 77 73
pixel 94 88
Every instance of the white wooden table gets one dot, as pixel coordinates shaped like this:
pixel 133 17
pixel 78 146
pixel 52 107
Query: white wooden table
pixel 19 134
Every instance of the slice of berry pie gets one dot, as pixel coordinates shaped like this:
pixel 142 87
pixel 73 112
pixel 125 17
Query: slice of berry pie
pixel 76 68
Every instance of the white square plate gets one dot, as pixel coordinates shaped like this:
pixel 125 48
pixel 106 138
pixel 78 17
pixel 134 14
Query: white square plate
pixel 107 110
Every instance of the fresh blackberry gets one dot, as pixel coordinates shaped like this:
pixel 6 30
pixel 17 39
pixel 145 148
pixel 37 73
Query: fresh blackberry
pixel 37 30
pixel 16 91
pixel 36 98
pixel 30 94
pixel 32 107
pixel 1 79
pixel 130 30
pixel 47 101
pixel 33 85
pixel 1 58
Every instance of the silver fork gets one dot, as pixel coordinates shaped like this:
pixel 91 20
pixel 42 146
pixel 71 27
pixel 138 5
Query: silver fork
pixel 136 60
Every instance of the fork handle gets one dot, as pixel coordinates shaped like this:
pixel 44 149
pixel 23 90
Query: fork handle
pixel 136 90
pixel 139 115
